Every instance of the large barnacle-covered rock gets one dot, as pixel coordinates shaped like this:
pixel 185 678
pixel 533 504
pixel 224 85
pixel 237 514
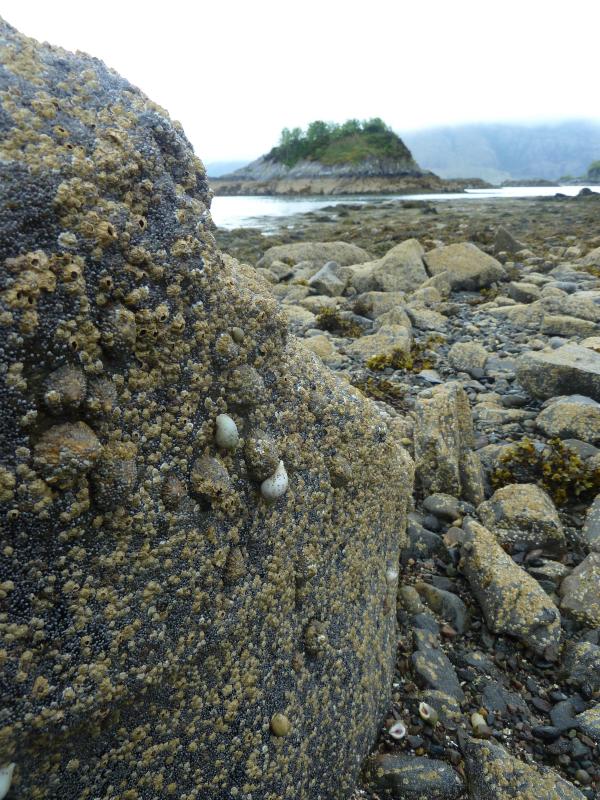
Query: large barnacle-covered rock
pixel 168 627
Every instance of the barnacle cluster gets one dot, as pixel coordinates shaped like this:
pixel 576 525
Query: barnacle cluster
pixel 182 491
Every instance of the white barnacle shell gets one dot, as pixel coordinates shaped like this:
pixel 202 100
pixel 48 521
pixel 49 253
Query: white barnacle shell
pixel 428 713
pixel 276 484
pixel 6 774
pixel 397 730
pixel 226 435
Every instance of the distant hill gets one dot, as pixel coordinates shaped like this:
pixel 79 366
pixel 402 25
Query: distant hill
pixel 499 152
pixel 217 168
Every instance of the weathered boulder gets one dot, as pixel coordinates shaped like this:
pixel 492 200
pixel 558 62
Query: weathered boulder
pixel 400 269
pixel 396 776
pixel 511 600
pixel 388 340
pixel 591 526
pixel 580 591
pixel 444 444
pixel 523 292
pixel 571 417
pixel 570 369
pixel 467 356
pixel 182 616
pixel 589 723
pixel 494 774
pixel 591 259
pixel 523 516
pixel 331 279
pixel 373 304
pixel 505 242
pixel 581 664
pixel 564 325
pixel 467 266
pixel 318 253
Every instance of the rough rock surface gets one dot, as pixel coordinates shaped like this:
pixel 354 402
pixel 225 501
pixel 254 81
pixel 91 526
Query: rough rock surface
pixel 511 600
pixel 319 253
pixel 591 527
pixel 467 266
pixel 493 774
pixel 400 269
pixel 571 369
pixel 581 591
pixel 412 778
pixel 571 417
pixel 522 515
pixel 444 457
pixel 166 630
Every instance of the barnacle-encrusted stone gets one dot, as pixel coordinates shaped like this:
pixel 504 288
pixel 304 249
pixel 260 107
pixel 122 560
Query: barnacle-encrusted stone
pixel 65 389
pixel 159 609
pixel 65 452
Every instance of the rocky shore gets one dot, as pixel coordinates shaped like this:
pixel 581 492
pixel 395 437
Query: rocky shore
pixel 300 517
pixel 476 326
pixel 344 184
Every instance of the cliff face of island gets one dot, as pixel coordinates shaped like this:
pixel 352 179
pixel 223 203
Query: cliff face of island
pixel 353 158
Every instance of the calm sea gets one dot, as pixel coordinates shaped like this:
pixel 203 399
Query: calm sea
pixel 263 212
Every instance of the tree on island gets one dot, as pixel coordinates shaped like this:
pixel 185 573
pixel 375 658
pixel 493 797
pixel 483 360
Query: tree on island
pixel 593 172
pixel 332 143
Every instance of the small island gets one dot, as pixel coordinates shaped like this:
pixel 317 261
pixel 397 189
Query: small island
pixel 355 157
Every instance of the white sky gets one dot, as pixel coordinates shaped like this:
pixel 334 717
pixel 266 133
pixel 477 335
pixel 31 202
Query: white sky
pixel 235 72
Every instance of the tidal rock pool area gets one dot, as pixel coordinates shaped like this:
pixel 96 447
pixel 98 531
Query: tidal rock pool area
pixel 313 515
pixel 478 326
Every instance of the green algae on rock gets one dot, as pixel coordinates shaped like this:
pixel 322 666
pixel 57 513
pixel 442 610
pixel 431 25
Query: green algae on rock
pixel 154 604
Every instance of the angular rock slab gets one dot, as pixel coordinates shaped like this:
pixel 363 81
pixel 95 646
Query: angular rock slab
pixel 319 253
pixel 467 266
pixel 396 775
pixel 444 445
pixel 570 369
pixel 571 417
pixel 580 591
pixel 400 269
pixel 511 600
pixel 166 630
pixel 522 515
pixel 494 774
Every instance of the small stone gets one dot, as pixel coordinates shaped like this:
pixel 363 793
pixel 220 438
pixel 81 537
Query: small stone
pixel 398 775
pixel 280 725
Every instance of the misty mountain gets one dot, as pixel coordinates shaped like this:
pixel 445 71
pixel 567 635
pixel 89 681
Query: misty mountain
pixel 217 168
pixel 498 152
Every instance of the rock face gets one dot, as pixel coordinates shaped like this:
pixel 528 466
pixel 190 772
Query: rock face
pixel 572 417
pixel 400 269
pixel 467 266
pixel 493 774
pixel 570 369
pixel 370 175
pixel 445 461
pixel 581 591
pixel 522 516
pixel 178 619
pixel 511 600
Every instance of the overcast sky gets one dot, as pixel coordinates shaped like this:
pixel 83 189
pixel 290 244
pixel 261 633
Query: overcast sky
pixel 235 72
